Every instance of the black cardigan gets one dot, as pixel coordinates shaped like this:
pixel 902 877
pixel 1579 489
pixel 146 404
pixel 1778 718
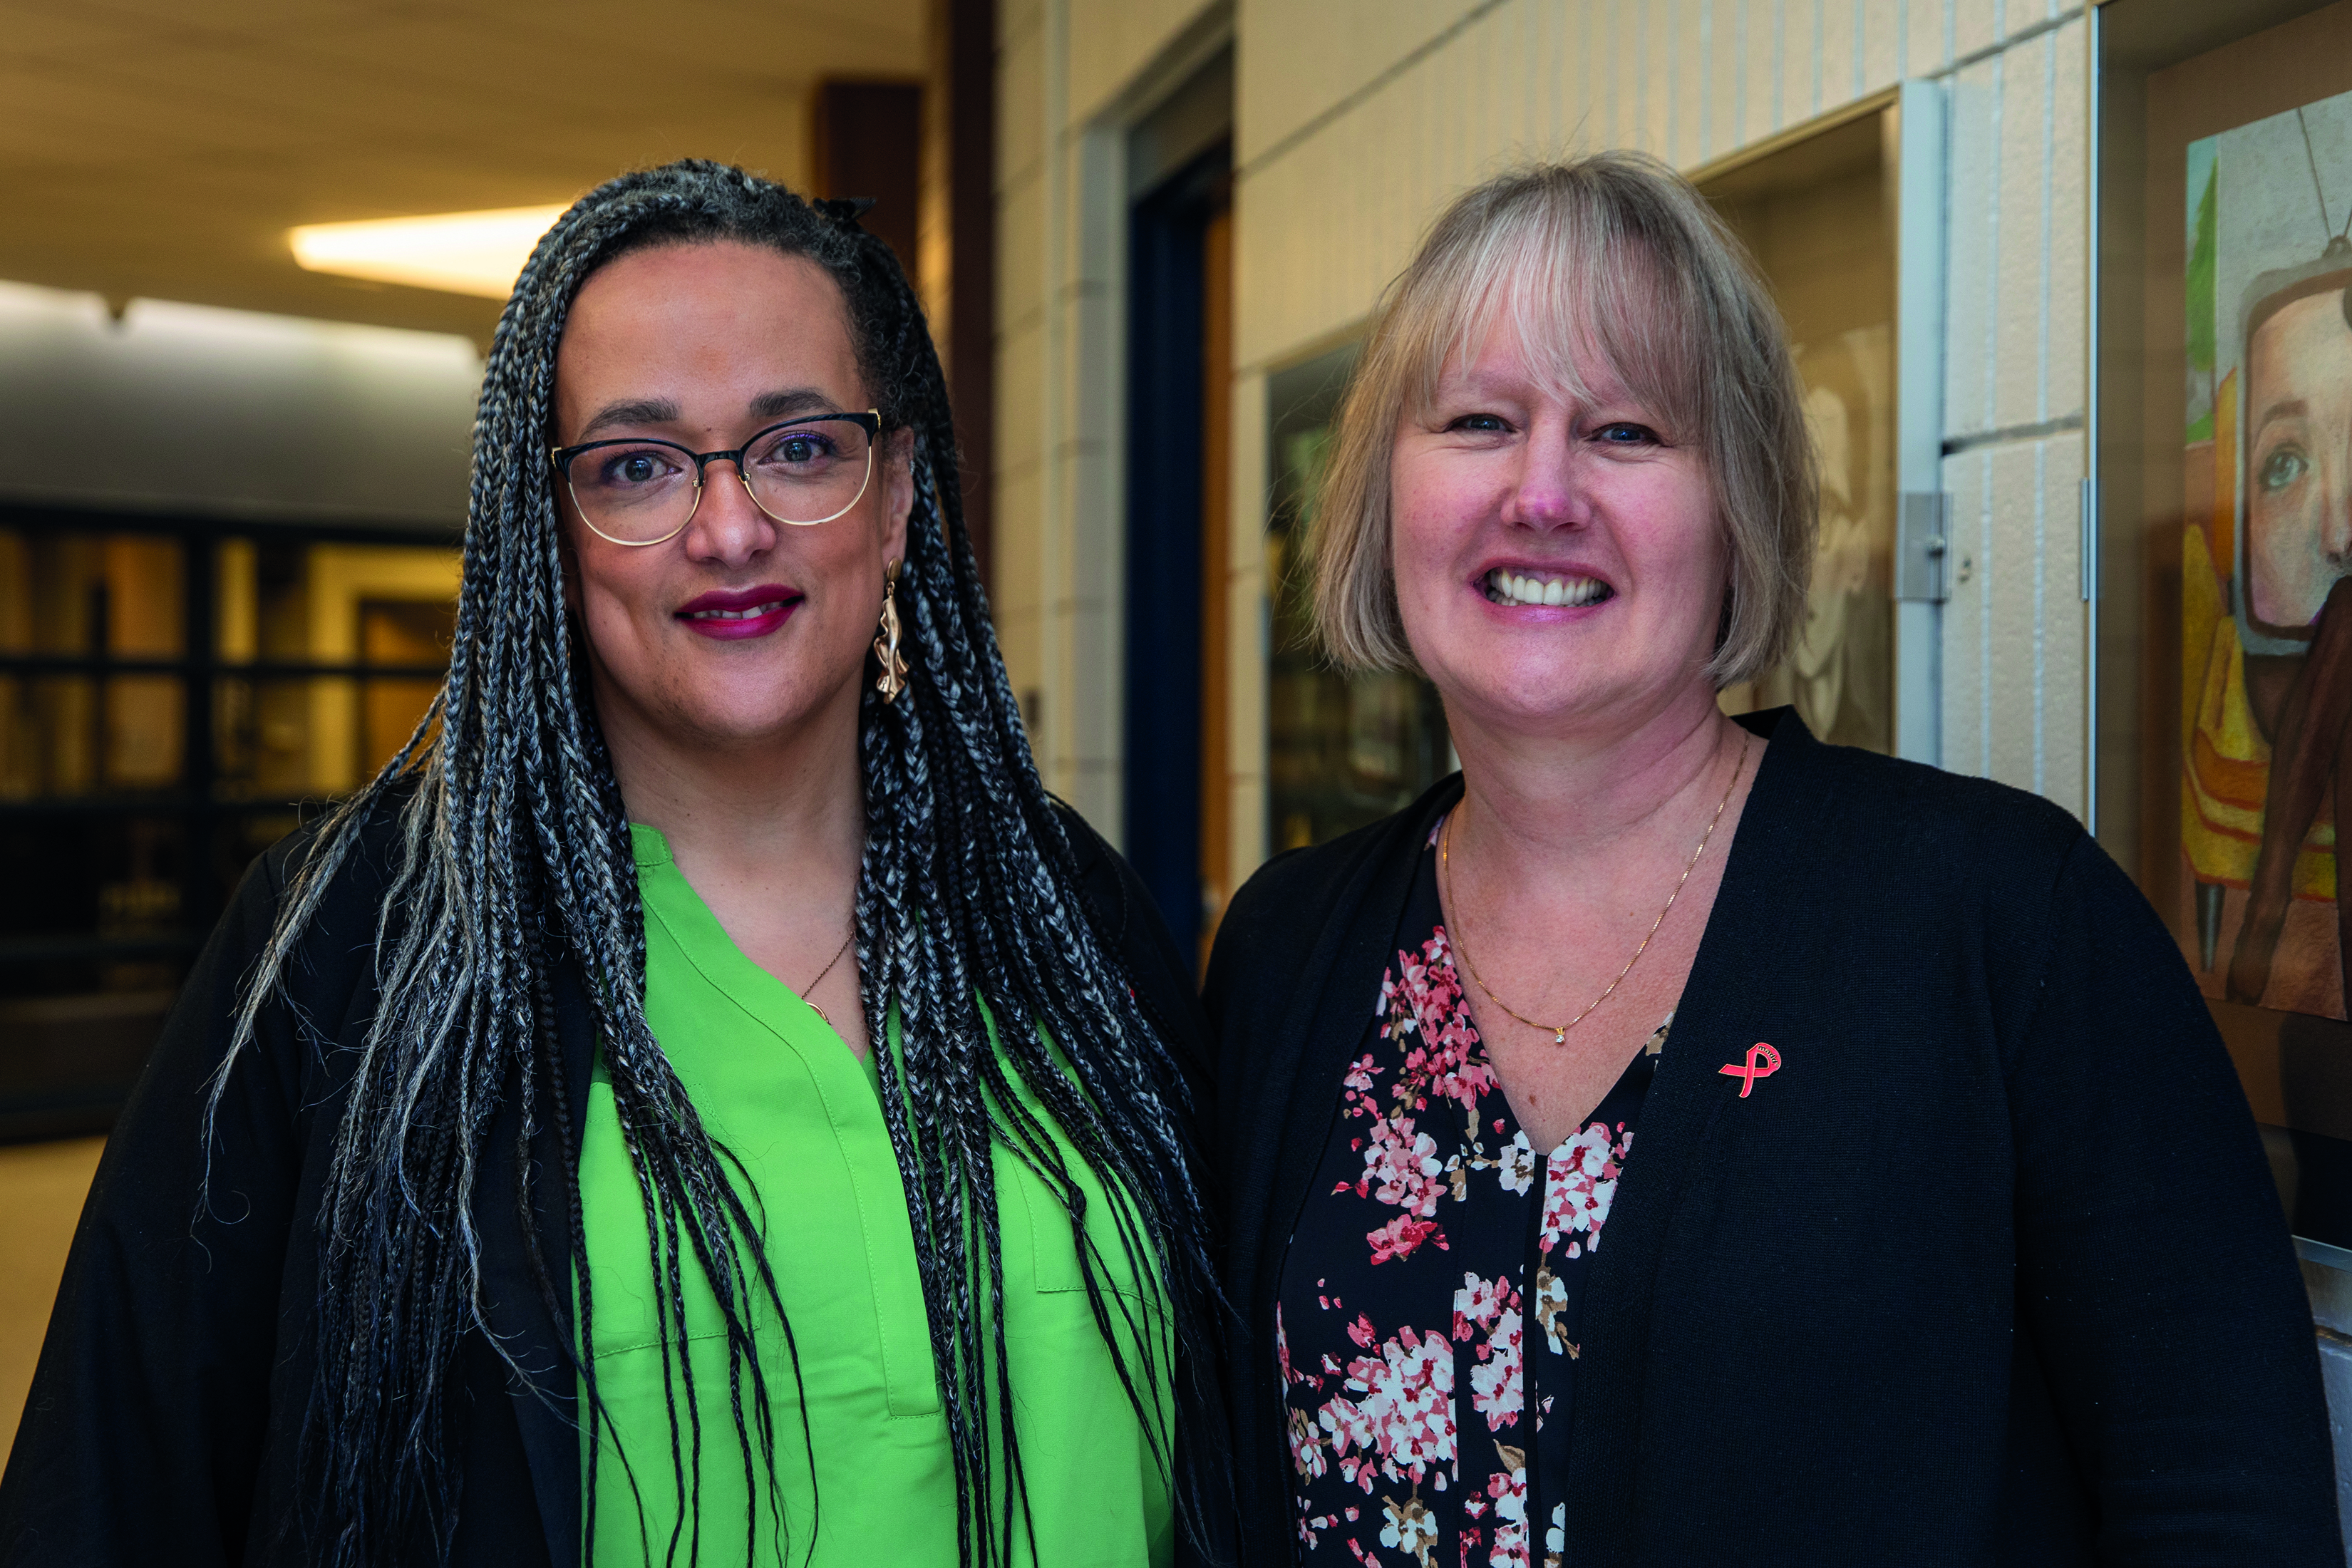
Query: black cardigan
pixel 165 1413
pixel 1990 1270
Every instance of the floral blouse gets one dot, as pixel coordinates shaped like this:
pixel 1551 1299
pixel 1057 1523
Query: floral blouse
pixel 1432 1238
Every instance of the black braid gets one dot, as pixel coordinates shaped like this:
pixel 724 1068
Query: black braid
pixel 515 856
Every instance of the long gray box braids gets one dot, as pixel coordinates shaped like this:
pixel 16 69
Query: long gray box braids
pixel 515 856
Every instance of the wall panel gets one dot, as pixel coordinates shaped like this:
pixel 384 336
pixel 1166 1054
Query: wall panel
pixel 1313 57
pixel 1111 45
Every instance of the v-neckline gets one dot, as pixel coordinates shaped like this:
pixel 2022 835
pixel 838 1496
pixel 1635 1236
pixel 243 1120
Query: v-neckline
pixel 702 941
pixel 1653 1046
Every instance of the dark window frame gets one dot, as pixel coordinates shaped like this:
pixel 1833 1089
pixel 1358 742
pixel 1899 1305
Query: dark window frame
pixel 215 829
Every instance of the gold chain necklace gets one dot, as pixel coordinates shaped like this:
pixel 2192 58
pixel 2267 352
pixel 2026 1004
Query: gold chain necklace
pixel 810 989
pixel 1560 1031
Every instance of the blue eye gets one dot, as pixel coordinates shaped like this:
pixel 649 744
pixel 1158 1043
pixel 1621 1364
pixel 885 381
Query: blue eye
pixel 1625 433
pixel 1482 425
pixel 2281 469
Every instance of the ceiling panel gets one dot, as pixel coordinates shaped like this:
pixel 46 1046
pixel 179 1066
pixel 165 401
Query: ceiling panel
pixel 149 147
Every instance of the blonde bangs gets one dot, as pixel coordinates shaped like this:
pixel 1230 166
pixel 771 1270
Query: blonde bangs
pixel 1583 301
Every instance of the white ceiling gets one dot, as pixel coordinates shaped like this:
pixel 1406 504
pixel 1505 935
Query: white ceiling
pixel 161 148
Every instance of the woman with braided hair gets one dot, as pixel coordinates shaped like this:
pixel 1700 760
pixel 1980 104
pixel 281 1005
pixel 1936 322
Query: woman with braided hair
pixel 703 1101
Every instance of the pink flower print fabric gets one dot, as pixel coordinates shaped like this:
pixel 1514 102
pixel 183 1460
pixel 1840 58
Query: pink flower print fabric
pixel 1580 1180
pixel 1426 1321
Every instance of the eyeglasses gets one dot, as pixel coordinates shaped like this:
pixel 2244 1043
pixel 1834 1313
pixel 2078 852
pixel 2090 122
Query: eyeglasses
pixel 637 491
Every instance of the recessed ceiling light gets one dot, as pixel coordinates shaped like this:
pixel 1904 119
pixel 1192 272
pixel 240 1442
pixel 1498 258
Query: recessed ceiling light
pixel 463 253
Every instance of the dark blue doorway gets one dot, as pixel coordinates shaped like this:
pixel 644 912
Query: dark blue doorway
pixel 1168 245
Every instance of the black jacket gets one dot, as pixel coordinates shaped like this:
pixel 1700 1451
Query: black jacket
pixel 1991 1272
pixel 165 1415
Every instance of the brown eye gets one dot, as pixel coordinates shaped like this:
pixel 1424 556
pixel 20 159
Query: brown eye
pixel 629 467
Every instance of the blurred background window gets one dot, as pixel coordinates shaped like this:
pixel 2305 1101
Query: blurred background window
pixel 170 702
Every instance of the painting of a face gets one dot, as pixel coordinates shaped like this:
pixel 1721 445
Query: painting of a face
pixel 2267 554
pixel 2298 459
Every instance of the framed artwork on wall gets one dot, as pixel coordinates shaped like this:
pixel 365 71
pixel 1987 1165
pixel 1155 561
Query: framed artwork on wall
pixel 1342 749
pixel 1818 214
pixel 2224 432
pixel 2267 601
pixel 1846 218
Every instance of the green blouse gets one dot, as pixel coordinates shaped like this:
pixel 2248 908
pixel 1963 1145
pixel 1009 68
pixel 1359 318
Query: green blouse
pixel 780 1091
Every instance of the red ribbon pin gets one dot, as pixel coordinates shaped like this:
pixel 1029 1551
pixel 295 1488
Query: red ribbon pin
pixel 1763 1062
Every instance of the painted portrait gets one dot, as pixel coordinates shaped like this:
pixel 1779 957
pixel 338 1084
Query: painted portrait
pixel 2266 582
pixel 1841 675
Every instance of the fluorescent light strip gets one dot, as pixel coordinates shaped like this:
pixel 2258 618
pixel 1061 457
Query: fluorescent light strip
pixel 460 253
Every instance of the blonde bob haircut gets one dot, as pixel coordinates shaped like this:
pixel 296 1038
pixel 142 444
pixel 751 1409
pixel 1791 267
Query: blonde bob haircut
pixel 1609 264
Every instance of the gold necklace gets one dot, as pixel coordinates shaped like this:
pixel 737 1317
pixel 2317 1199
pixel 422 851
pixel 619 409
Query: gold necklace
pixel 810 989
pixel 1560 1031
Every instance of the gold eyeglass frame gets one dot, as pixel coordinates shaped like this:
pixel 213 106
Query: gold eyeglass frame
pixel 560 457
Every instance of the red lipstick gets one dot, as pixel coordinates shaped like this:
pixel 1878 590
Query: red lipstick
pixel 729 613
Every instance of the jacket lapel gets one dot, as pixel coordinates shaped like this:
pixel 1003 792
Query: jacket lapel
pixel 1742 962
pixel 1328 1019
pixel 513 1299
pixel 1283 1121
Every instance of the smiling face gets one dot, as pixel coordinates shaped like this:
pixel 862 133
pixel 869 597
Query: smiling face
pixel 1559 566
pixel 2298 459
pixel 740 629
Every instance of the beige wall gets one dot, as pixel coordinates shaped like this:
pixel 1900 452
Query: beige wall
pixel 1356 119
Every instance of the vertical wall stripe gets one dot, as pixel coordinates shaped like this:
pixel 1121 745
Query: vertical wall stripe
pixel 1989 415
pixel 1584 57
pixel 1559 109
pixel 1671 152
pixel 2048 46
pixel 1739 117
pixel 1706 148
pixel 1861 52
pixel 1818 6
pixel 1641 77
pixel 1616 123
pixel 1986 582
pixel 1779 65
pixel 2041 616
pixel 1534 25
pixel 1992 363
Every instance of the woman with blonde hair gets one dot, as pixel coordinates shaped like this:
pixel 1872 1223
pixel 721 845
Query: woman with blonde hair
pixel 1946 1236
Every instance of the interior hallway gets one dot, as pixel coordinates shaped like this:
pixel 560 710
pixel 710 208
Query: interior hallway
pixel 41 1189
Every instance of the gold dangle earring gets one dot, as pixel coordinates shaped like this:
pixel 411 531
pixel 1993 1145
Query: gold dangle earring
pixel 893 678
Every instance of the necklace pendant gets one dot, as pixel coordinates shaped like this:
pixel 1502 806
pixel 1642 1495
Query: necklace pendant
pixel 1559 1035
